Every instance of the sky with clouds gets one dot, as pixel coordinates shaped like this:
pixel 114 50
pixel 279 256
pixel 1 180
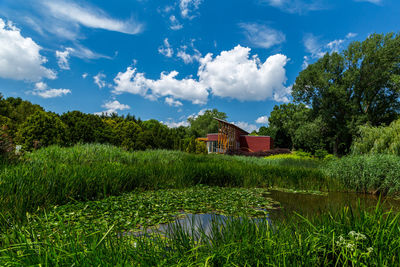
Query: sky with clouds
pixel 168 60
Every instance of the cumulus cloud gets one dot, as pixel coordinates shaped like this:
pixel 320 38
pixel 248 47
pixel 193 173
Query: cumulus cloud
pixel 166 49
pixel 112 107
pixel 134 82
pixel 63 57
pixel 85 75
pixel 172 102
pixel 262 120
pixel 174 23
pixel 20 57
pixel 232 74
pixel 89 16
pixel 41 89
pixel 261 35
pixel 188 6
pixel 99 80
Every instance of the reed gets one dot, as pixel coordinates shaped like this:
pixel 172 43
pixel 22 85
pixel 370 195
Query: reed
pixel 56 176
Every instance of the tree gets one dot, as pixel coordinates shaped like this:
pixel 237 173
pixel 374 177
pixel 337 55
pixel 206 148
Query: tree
pixel 310 136
pixel 203 124
pixel 42 129
pixel 127 132
pixel 360 85
pixel 284 120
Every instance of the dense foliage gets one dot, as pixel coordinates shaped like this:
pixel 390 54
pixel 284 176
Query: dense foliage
pixel 339 239
pixel 55 176
pixel 30 126
pixel 378 174
pixel 376 140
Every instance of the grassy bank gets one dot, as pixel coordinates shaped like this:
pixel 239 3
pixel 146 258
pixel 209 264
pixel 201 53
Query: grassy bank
pixel 341 239
pixel 379 174
pixel 56 176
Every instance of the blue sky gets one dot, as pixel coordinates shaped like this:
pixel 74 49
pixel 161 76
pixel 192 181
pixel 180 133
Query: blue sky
pixel 168 60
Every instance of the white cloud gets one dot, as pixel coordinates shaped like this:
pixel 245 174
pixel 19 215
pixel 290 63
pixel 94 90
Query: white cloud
pixel 351 35
pixel 295 6
pixel 85 75
pixel 262 120
pixel 231 74
pixel 185 56
pixel 261 35
pixel 112 107
pixel 172 102
pixel 20 57
pixel 63 57
pixel 166 49
pixel 99 80
pixel 41 89
pixel 89 16
pixel 188 6
pixel 246 126
pixel 134 82
pixel 317 49
pixel 175 24
pixel 234 74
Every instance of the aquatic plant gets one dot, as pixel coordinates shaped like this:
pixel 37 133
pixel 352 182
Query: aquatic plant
pixel 55 176
pixel 339 239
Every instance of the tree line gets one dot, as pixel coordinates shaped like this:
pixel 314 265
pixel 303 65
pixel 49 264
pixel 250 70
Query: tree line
pixel 31 127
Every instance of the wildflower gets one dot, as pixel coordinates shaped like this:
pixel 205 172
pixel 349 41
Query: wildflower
pixel 370 249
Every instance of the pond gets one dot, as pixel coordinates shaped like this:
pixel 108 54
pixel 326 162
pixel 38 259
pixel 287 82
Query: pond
pixel 315 204
pixel 290 203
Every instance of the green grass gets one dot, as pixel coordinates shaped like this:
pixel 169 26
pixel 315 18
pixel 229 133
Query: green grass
pixel 367 173
pixel 341 239
pixel 56 176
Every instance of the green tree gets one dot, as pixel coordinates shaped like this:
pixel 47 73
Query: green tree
pixel 201 125
pixel 310 136
pixel 284 120
pixel 360 85
pixel 127 132
pixel 41 129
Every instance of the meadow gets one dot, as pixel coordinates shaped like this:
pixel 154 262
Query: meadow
pixel 84 205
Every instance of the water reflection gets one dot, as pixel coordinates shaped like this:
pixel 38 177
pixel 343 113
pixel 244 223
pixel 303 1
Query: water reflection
pixel 310 205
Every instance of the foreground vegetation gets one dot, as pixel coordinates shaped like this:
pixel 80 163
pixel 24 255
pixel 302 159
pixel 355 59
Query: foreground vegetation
pixel 56 176
pixel 86 204
pixel 341 239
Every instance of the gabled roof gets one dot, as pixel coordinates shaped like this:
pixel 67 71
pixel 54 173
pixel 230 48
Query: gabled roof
pixel 231 124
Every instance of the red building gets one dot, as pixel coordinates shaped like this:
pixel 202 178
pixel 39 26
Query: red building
pixel 230 136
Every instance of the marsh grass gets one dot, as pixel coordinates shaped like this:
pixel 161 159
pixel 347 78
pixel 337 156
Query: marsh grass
pixel 345 238
pixel 56 176
pixel 378 173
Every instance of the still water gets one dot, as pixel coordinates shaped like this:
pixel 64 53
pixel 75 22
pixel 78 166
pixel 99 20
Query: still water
pixel 290 203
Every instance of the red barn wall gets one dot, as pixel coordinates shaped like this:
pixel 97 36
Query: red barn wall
pixel 256 143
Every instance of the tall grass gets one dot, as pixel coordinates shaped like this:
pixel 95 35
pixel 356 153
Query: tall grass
pixel 367 173
pixel 341 239
pixel 55 176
